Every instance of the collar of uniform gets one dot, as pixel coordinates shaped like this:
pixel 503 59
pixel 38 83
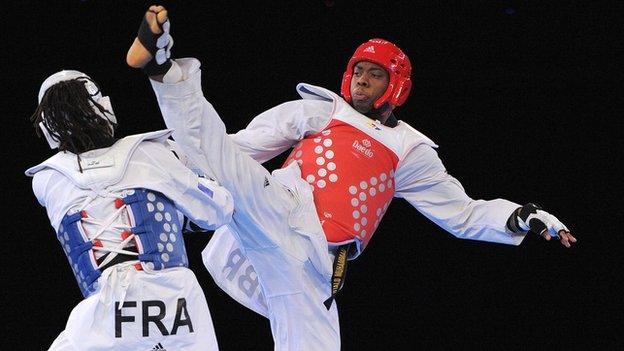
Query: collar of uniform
pixel 391 121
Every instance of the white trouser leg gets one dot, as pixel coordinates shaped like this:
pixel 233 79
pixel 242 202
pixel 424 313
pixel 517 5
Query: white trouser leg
pixel 301 321
pixel 261 218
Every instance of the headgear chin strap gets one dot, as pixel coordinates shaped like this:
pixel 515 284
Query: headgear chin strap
pixel 92 89
pixel 396 63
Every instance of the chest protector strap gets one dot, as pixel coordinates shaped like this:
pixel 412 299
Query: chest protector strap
pixel 157 230
pixel 79 253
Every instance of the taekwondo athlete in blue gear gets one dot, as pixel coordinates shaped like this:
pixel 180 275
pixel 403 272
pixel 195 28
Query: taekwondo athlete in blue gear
pixel 118 207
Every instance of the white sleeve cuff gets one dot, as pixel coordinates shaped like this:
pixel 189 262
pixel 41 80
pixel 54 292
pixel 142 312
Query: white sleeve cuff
pixel 183 80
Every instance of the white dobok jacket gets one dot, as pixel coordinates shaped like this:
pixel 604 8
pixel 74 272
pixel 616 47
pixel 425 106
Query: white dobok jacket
pixel 417 173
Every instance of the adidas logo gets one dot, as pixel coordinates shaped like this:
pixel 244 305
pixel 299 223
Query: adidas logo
pixel 370 49
pixel 158 347
pixel 266 182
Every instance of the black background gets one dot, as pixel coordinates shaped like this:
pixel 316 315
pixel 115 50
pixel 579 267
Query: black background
pixel 523 99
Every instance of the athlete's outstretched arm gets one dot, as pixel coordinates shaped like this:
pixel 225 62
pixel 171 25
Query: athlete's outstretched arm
pixel 424 182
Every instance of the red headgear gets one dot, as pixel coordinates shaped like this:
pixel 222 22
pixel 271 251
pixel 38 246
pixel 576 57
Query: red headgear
pixel 389 56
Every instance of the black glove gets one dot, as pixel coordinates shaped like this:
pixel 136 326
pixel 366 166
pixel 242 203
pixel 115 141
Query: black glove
pixel 532 217
pixel 159 45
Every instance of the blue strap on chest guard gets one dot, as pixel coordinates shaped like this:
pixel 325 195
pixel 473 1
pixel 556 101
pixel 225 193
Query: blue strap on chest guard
pixel 158 230
pixel 79 254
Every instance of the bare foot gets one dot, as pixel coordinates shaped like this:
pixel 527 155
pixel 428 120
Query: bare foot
pixel 138 56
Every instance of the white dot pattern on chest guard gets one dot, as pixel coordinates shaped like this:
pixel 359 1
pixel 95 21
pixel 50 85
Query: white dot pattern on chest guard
pixel 167 241
pixel 323 167
pixel 367 187
pixel 372 186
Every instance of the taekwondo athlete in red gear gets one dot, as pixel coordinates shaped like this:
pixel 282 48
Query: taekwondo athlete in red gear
pixel 350 157
pixel 118 208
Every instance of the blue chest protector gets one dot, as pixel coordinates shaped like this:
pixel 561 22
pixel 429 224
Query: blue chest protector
pixel 158 238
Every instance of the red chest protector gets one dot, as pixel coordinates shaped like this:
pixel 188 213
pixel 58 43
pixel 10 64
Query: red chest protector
pixel 351 165
pixel 352 176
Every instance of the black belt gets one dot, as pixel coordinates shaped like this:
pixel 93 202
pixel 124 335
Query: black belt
pixel 339 274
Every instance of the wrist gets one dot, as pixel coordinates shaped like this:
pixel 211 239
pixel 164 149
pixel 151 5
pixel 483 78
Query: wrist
pixel 512 222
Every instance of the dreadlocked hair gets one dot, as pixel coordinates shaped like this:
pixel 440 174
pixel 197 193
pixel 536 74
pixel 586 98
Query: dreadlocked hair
pixel 71 119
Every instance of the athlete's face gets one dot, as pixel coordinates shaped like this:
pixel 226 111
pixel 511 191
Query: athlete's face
pixel 368 83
